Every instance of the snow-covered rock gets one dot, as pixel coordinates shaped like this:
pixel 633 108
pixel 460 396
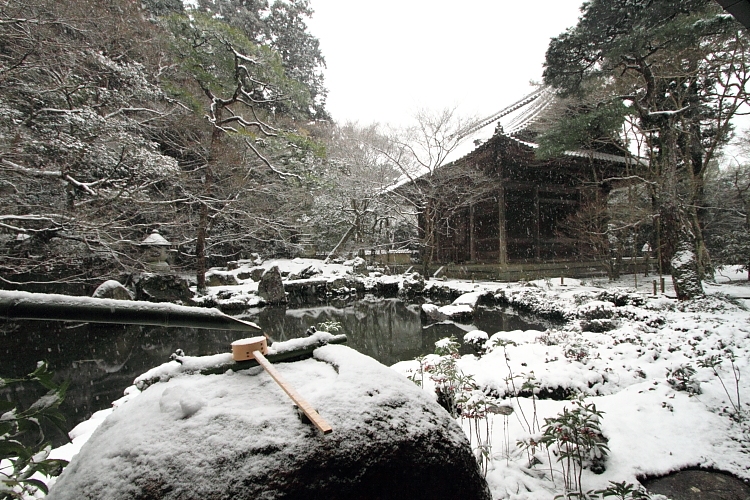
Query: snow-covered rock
pixel 457 312
pixel 470 299
pixel 238 436
pixel 411 285
pixel 449 312
pixel 162 288
pixel 112 289
pixel 271 288
pixel 215 277
pixel 432 311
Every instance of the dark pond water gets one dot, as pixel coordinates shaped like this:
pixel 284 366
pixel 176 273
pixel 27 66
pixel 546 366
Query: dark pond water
pixel 102 360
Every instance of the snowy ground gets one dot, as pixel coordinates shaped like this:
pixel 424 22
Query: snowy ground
pixel 634 363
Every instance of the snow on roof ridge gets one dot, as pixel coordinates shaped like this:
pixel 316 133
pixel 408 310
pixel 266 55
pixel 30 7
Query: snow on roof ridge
pixel 530 115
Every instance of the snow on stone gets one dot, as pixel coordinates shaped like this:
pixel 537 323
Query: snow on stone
pixel 187 365
pixel 476 336
pixel 160 426
pixel 470 299
pixel 106 288
pixel 155 239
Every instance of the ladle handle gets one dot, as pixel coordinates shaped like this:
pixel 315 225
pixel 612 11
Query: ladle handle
pixel 314 417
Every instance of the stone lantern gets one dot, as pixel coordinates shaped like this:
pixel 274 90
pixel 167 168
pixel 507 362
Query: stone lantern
pixel 155 251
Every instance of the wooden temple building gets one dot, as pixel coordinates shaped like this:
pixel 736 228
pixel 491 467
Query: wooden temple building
pixel 499 212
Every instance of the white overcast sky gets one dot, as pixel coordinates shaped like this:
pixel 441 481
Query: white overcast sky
pixel 387 58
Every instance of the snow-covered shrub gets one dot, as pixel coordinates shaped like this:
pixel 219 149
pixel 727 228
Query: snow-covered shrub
pixel 332 326
pixel 714 363
pixel 412 284
pixel 597 316
pixel 637 314
pixel 417 376
pixel 583 297
pixel 552 337
pixel 577 350
pixel 359 266
pixel 596 310
pixel 621 297
pixel 623 491
pixel 709 303
pixel 476 406
pixel 477 340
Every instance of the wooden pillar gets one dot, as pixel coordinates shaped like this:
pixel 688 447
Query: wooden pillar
pixel 472 240
pixel 579 240
pixel 502 239
pixel 438 242
pixel 537 255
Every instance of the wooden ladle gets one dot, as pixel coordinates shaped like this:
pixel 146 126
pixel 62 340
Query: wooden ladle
pixel 255 348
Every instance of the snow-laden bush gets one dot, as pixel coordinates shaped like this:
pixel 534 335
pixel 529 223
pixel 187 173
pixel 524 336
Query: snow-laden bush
pixel 536 301
pixel 597 316
pixel 621 297
pixel 477 340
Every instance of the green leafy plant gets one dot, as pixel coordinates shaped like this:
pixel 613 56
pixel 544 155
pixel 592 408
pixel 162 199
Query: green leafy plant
pixel 19 461
pixel 575 437
pixel 623 491
pixel 447 377
pixel 681 379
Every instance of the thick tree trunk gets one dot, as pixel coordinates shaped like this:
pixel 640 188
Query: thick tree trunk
pixel 677 228
pixel 685 276
pixel 679 246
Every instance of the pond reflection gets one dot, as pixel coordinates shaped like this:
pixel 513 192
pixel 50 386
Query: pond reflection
pixel 101 360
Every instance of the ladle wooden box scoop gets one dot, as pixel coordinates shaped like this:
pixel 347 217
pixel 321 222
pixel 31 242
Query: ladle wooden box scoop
pixel 255 348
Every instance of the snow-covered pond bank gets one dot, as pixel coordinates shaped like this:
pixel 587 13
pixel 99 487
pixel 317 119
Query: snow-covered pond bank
pixel 671 379
pixel 102 360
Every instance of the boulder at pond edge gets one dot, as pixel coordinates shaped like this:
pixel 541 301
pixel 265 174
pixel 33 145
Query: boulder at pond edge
pixel 271 287
pixel 238 436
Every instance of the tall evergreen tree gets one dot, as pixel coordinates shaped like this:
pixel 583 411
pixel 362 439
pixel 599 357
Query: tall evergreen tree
pixel 680 68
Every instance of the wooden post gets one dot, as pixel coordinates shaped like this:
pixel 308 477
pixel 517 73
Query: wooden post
pixel 472 240
pixel 502 239
pixel 537 250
